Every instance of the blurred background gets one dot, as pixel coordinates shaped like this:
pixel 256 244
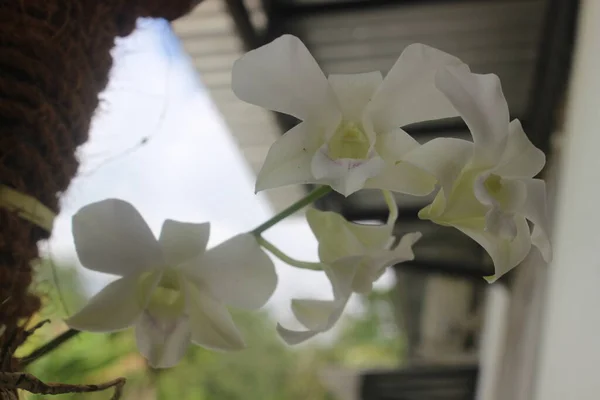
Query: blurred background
pixel 171 138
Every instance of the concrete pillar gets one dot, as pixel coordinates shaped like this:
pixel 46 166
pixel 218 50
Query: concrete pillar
pixel 570 335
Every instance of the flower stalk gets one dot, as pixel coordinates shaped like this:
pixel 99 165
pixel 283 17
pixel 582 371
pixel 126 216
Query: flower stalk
pixel 313 266
pixel 300 204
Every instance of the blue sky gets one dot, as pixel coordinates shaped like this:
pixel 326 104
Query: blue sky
pixel 189 169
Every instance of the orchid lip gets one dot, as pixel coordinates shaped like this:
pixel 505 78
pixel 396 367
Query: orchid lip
pixel 348 142
pixel 166 298
pixel 348 162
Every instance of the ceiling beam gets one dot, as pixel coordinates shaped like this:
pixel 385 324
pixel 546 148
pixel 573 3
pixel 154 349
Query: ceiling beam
pixel 243 24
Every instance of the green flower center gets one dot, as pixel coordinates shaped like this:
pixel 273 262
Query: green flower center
pixel 349 141
pixel 493 185
pixel 167 297
pixel 498 191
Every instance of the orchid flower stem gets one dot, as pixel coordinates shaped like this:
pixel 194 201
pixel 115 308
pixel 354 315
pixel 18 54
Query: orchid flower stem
pixel 392 206
pixel 300 204
pixel 287 259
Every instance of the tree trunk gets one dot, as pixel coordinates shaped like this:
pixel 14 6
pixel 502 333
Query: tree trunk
pixel 54 60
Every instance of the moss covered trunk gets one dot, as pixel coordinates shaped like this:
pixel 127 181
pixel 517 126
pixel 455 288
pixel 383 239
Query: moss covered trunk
pixel 54 60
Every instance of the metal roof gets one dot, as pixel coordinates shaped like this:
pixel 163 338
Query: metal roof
pixel 210 38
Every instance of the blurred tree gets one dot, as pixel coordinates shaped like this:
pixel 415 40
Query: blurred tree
pixel 371 338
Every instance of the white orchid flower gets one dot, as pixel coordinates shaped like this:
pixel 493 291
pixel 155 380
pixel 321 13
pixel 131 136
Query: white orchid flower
pixel 354 256
pixel 350 135
pixel 486 186
pixel 171 289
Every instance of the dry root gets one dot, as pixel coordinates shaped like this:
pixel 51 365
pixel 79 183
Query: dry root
pixel 11 381
pixel 24 381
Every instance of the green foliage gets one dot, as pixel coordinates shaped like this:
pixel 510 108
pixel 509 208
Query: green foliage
pixel 371 339
pixel 266 370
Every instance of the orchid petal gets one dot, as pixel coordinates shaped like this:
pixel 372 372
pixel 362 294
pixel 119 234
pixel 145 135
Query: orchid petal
pixel 376 263
pixel 334 237
pixel 293 337
pixel 365 277
pixel 402 178
pixel 481 103
pixel 377 237
pixel 345 176
pixel 498 222
pixel 404 250
pixel 112 237
pixel 181 241
pixel 535 210
pixel 396 175
pixel 521 159
pixel 116 307
pixel 210 322
pixel 393 145
pixel 314 314
pixel 372 236
pixel 505 253
pixel 162 341
pixel 289 159
pixel 309 312
pixel 237 272
pixel 342 274
pixel 354 91
pixel 408 94
pixel 442 158
pixel 461 204
pixel 283 76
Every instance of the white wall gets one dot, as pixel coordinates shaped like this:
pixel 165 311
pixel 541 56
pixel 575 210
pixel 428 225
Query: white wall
pixel 493 340
pixel 569 364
